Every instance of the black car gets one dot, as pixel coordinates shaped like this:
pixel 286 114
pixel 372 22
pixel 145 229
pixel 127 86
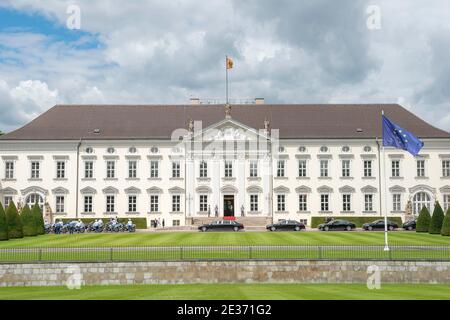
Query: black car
pixel 410 225
pixel 286 225
pixel 379 225
pixel 222 225
pixel 337 225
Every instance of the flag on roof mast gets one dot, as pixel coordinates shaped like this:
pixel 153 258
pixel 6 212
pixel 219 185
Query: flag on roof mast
pixel 397 137
pixel 230 63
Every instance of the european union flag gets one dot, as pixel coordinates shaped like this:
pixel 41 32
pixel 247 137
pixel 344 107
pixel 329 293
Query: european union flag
pixel 396 136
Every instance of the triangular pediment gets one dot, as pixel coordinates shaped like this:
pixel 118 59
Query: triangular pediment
pixel 229 130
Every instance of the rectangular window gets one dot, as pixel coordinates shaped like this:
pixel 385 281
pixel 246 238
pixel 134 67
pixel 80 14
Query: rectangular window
pixel 395 168
pixel 88 204
pixel 367 168
pixel 35 167
pixel 110 169
pixel 132 203
pixel 89 170
pixel 324 168
pixel 421 168
pixel 203 203
pixel 368 202
pixel 253 202
pixel 110 204
pixel 302 202
pixel 281 168
pixel 396 202
pixel 446 168
pixel 345 168
pixel 446 202
pixel 132 170
pixel 203 169
pixel 60 170
pixel 228 169
pixel 254 169
pixel 154 169
pixel 7 201
pixel 176 169
pixel 324 202
pixel 346 202
pixel 9 170
pixel 59 207
pixel 176 203
pixel 175 223
pixel 154 203
pixel 281 202
pixel 302 168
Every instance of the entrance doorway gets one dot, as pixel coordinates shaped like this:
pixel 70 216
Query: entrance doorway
pixel 228 206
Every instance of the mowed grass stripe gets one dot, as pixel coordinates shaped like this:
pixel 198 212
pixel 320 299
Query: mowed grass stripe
pixel 226 238
pixel 231 291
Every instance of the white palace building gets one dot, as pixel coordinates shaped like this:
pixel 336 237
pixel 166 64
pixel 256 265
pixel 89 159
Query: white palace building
pixel 185 163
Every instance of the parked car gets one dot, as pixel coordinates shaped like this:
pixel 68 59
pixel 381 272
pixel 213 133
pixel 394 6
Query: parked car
pixel 410 225
pixel 222 225
pixel 286 225
pixel 379 225
pixel 337 225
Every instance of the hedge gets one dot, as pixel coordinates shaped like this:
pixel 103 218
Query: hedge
pixel 38 219
pixel 423 221
pixel 14 222
pixel 445 231
pixel 358 221
pixel 28 222
pixel 141 223
pixel 436 219
pixel 3 224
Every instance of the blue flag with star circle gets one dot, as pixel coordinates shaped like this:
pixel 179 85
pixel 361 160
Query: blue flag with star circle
pixel 396 136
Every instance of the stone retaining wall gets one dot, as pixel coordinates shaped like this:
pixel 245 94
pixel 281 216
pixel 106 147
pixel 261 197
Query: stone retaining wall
pixel 58 274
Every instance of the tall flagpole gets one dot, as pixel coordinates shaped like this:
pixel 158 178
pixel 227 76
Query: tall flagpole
pixel 226 78
pixel 386 242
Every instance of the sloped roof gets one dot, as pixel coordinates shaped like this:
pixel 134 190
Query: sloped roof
pixel 74 122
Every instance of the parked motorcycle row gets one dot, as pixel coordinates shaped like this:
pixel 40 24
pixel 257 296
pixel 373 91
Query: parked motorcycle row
pixel 96 226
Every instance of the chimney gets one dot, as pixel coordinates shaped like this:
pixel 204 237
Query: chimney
pixel 259 101
pixel 195 100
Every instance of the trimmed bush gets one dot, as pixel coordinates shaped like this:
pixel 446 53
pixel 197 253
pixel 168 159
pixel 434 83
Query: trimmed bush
pixel 38 219
pixel 141 223
pixel 445 231
pixel 436 219
pixel 14 222
pixel 423 221
pixel 3 224
pixel 28 222
pixel 358 221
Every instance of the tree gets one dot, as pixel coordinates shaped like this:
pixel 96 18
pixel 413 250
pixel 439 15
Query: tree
pixel 436 219
pixel 423 221
pixel 14 222
pixel 445 231
pixel 38 219
pixel 28 222
pixel 3 224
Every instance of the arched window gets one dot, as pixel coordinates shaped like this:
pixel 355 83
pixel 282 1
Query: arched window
pixel 33 198
pixel 421 200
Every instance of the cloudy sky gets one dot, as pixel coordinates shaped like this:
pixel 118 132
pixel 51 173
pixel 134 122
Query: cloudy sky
pixel 162 51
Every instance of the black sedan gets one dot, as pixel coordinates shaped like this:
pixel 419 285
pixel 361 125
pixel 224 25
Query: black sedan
pixel 222 225
pixel 379 225
pixel 410 225
pixel 286 225
pixel 337 225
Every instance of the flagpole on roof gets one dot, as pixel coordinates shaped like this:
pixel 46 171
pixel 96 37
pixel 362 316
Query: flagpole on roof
pixel 226 79
pixel 385 206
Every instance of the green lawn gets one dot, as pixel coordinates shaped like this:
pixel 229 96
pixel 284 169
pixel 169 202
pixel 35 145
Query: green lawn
pixel 228 238
pixel 231 292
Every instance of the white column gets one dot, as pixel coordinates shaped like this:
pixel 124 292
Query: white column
pixel 215 184
pixel 190 187
pixel 241 176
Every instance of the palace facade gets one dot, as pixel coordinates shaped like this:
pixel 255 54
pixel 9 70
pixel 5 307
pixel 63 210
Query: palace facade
pixel 183 162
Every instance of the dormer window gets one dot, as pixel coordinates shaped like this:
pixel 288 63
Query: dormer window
pixel 110 150
pixel 345 149
pixel 324 149
pixel 302 149
pixel 367 149
pixel 89 150
pixel 132 150
pixel 154 150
